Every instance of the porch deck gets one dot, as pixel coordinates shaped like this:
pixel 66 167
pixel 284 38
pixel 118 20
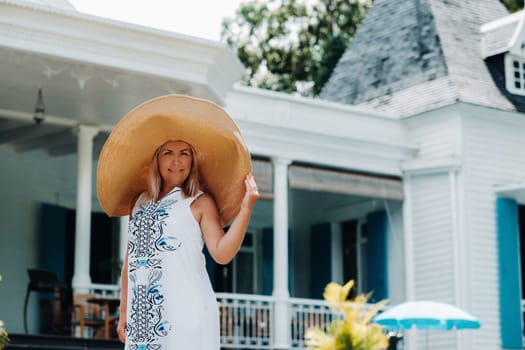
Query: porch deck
pixel 246 322
pixel 46 342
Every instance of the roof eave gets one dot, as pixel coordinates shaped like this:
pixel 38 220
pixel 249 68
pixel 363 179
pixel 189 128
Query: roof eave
pixel 517 19
pixel 208 65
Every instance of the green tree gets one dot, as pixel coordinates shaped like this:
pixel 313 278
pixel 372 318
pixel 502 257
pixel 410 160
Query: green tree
pixel 513 5
pixel 292 45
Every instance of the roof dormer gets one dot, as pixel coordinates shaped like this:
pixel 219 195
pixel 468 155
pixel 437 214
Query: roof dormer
pixel 506 36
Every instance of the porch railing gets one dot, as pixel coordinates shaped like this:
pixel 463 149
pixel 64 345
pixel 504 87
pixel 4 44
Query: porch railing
pixel 106 290
pixel 246 320
pixel 306 313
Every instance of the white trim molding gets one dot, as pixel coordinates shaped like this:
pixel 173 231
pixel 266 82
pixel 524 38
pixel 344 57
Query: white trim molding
pixel 431 165
pixel 514 191
pixel 317 132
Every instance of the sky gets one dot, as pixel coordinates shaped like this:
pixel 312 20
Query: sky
pixel 200 18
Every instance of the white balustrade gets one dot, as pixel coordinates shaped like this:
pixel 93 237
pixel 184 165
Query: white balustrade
pixel 308 313
pixel 104 290
pixel 246 320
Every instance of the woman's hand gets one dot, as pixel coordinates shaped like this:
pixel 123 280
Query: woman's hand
pixel 223 247
pixel 121 330
pixel 252 193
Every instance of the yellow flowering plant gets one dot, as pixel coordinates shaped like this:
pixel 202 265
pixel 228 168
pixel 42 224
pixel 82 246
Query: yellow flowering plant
pixel 4 339
pixel 354 331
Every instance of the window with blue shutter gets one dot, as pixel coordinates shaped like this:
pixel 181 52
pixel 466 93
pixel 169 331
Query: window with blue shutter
pixel 509 270
pixel 377 255
pixel 320 258
pixel 267 261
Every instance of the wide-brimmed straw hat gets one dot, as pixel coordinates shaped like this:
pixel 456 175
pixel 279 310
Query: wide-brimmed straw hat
pixel 222 155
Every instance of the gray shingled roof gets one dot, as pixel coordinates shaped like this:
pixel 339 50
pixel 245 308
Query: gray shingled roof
pixel 410 56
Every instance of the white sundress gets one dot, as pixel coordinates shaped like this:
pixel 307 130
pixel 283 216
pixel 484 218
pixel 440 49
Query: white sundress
pixel 171 303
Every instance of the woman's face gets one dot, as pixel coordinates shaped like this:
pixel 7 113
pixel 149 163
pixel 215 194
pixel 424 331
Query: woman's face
pixel 175 161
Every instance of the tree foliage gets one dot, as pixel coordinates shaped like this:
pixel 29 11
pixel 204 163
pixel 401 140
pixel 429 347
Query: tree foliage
pixel 292 45
pixel 513 5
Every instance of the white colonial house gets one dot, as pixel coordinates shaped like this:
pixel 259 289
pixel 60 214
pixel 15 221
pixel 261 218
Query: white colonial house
pixel 406 174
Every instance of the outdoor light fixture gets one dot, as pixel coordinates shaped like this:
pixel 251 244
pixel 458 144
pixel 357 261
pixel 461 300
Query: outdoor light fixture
pixel 40 109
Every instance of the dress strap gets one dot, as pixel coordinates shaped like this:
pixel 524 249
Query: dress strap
pixel 192 199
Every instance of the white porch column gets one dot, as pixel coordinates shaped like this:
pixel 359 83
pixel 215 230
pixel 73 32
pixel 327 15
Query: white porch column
pixel 123 237
pixel 81 277
pixel 337 253
pixel 280 248
pixel 410 335
pixel 123 241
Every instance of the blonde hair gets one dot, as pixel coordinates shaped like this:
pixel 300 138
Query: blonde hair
pixel 190 187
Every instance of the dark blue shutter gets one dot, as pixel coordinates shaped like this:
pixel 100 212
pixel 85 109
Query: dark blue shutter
pixel 377 255
pixel 509 279
pixel 267 261
pixel 52 239
pixel 320 258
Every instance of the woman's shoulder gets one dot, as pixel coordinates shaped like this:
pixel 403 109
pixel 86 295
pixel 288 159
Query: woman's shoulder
pixel 202 199
pixel 203 205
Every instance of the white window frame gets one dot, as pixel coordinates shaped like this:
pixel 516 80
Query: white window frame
pixel 254 250
pixel 510 78
pixel 361 243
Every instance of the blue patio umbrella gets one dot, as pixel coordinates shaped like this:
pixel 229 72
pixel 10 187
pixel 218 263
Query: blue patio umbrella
pixel 426 315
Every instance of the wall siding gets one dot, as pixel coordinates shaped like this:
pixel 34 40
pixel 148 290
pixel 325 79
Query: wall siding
pixel 437 133
pixel 494 155
pixel 433 250
pixel 491 146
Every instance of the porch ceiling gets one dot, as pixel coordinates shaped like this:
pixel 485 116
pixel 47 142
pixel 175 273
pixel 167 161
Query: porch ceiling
pixel 77 91
pixel 93 71
pixel 74 93
pixel 25 135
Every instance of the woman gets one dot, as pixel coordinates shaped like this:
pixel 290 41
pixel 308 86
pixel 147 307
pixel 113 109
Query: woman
pixel 167 301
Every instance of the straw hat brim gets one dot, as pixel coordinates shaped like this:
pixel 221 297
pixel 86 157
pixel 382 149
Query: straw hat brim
pixel 222 155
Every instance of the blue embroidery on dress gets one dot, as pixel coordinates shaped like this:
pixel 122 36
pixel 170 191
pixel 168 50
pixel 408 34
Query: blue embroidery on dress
pixel 147 241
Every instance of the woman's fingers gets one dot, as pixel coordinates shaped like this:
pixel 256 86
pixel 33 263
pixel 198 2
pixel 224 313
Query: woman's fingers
pixel 251 185
pixel 252 192
pixel 121 332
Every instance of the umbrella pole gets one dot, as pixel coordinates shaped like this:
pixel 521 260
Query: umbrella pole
pixel 426 339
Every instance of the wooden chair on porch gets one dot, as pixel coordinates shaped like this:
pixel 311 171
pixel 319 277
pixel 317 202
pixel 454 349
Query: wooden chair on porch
pixel 91 319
